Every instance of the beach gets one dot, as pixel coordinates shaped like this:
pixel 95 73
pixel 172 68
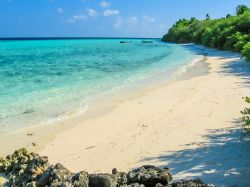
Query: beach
pixel 191 125
pixel 107 93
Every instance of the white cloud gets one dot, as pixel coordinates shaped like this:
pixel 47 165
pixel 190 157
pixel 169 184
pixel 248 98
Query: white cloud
pixel 105 4
pixel 148 18
pixel 118 22
pixel 132 20
pixel 76 18
pixel 161 26
pixel 111 12
pixel 79 17
pixel 92 12
pixel 60 10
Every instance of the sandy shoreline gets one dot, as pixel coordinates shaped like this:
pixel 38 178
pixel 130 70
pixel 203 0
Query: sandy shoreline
pixel 43 133
pixel 190 125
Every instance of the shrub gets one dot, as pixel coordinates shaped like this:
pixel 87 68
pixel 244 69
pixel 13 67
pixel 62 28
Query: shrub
pixel 246 116
pixel 246 51
pixel 230 33
pixel 241 9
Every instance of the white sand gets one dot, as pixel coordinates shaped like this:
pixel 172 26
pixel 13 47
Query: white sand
pixel 189 125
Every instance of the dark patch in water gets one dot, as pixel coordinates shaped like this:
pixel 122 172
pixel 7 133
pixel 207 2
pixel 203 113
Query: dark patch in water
pixel 145 41
pixel 38 81
pixel 28 111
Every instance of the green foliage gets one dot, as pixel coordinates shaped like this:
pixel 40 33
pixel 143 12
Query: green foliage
pixel 240 41
pixel 241 9
pixel 246 51
pixel 246 116
pixel 230 33
pixel 207 16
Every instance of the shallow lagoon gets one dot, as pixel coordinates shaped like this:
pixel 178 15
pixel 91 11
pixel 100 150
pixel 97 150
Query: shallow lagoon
pixel 43 81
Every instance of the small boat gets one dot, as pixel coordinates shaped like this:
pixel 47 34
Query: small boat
pixel 147 41
pixel 123 42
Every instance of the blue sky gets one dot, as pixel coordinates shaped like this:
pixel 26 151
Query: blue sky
pixel 103 18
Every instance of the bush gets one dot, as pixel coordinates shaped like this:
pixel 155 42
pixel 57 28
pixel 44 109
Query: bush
pixel 230 33
pixel 246 51
pixel 241 9
pixel 246 116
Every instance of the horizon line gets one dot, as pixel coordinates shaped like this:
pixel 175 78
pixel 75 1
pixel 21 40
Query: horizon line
pixel 71 38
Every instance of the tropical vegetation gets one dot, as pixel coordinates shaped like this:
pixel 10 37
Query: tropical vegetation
pixel 246 116
pixel 229 33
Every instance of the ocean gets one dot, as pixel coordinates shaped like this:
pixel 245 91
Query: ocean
pixel 46 81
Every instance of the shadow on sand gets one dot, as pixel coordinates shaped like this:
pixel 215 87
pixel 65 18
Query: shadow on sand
pixel 239 68
pixel 224 159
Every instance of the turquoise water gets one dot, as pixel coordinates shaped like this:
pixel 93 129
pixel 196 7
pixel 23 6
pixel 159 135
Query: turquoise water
pixel 42 81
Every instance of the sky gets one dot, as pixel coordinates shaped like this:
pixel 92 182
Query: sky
pixel 103 18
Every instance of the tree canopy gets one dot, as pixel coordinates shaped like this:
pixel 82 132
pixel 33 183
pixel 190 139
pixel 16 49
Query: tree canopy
pixel 230 33
pixel 241 9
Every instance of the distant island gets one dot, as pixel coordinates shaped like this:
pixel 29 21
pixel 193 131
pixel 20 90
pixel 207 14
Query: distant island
pixel 229 33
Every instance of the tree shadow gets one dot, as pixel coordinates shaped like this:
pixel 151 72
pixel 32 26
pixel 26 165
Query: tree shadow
pixel 237 66
pixel 223 159
pixel 240 68
pixel 203 50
